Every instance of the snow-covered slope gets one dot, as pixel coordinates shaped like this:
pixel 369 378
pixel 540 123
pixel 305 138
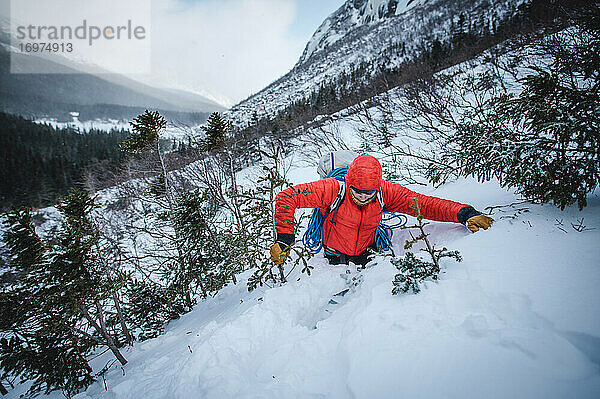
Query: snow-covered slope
pixel 357 33
pixel 517 318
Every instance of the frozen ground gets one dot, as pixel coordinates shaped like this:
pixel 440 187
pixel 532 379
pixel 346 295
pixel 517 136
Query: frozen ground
pixel 179 133
pixel 517 318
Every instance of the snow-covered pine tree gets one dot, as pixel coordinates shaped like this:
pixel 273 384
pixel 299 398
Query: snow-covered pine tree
pixel 146 137
pixel 544 141
pixel 40 338
pixel 149 307
pixel 56 306
pixel 216 133
pixel 259 207
pixel 148 302
pixel 182 260
pixel 78 262
pixel 158 198
pixel 207 254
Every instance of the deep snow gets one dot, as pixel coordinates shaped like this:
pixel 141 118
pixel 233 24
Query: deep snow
pixel 517 318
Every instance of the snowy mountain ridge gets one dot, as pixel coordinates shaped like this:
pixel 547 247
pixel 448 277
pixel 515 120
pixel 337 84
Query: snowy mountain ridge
pixel 81 86
pixel 344 41
pixel 350 16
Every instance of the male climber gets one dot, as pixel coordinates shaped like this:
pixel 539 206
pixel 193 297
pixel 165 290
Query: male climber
pixel 349 231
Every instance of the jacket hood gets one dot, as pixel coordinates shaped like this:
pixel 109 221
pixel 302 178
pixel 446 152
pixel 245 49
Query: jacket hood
pixel 364 173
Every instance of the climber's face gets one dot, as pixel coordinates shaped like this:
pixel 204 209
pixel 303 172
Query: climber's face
pixel 362 197
pixel 364 179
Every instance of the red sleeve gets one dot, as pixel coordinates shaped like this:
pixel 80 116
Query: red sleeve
pixel 398 199
pixel 318 194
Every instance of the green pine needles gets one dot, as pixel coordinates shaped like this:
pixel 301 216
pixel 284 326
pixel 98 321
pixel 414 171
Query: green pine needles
pixel 60 305
pixel 146 128
pixel 259 205
pixel 545 140
pixel 414 271
pixel 215 133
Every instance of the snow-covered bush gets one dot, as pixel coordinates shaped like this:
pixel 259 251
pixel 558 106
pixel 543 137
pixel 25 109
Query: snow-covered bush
pixel 413 270
pixel 545 140
pixel 258 204
pixel 149 307
pixel 526 115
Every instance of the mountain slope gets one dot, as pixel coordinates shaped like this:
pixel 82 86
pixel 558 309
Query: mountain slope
pixel 351 39
pixel 517 318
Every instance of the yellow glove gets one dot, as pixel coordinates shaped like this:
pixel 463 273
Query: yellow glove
pixel 475 222
pixel 278 254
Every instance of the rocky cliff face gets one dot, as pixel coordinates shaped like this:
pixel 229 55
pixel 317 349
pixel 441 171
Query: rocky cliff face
pixel 351 15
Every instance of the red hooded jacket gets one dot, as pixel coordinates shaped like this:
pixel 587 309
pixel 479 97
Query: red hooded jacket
pixel 352 228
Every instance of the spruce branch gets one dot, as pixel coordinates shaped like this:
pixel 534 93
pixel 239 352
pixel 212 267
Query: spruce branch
pixel 413 270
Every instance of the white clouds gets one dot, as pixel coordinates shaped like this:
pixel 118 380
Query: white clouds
pixel 227 47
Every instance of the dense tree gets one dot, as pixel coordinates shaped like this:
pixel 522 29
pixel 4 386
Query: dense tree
pixel 55 309
pixel 40 163
pixel 544 141
pixel 215 133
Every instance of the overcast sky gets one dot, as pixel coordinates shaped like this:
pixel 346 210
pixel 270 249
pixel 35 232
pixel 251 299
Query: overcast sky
pixel 228 48
pixel 231 48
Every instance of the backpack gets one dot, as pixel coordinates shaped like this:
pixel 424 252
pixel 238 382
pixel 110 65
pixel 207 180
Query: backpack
pixel 335 164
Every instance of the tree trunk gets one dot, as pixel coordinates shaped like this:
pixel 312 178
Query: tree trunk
pixel 188 299
pixel 282 274
pixel 201 285
pixel 109 341
pixel 102 330
pixel 237 210
pixel 165 176
pixel 430 248
pixel 122 319
pixel 3 390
